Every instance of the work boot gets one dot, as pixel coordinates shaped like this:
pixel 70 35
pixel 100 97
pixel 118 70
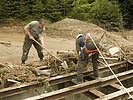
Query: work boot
pixel 23 62
pixel 93 77
pixel 41 59
pixel 76 81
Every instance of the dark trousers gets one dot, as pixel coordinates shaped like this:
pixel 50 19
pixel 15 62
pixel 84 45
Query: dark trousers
pixel 82 63
pixel 27 45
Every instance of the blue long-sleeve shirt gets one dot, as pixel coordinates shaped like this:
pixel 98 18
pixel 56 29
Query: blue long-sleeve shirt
pixel 80 43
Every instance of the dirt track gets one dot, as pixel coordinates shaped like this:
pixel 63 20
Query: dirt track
pixel 15 35
pixel 12 53
pixel 67 28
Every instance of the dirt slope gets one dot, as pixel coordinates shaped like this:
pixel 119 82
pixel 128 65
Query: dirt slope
pixel 71 27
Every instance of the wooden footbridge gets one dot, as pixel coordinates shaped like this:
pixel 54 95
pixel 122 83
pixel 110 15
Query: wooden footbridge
pixel 123 71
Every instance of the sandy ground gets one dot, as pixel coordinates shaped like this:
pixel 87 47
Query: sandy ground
pixel 13 52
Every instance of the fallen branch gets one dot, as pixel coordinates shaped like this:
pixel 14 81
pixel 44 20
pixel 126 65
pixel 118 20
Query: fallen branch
pixel 5 43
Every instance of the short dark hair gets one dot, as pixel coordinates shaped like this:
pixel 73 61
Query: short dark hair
pixel 41 20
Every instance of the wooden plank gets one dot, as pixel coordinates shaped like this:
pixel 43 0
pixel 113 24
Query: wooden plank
pixel 109 58
pixel 12 81
pixel 79 88
pixel 96 92
pixel 130 62
pixel 117 86
pixel 116 94
pixel 42 67
pixel 119 63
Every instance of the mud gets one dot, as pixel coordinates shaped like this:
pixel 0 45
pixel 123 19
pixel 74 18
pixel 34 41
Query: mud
pixel 10 55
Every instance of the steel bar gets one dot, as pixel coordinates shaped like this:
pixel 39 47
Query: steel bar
pixel 54 80
pixel 62 93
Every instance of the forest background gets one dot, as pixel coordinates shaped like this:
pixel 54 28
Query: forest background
pixel 112 15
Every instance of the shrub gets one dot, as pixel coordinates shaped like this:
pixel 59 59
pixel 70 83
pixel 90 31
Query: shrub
pixel 106 15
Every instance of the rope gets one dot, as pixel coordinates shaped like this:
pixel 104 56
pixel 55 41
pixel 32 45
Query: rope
pixel 110 68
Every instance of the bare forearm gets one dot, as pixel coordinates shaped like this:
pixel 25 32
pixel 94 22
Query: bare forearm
pixel 27 31
pixel 41 37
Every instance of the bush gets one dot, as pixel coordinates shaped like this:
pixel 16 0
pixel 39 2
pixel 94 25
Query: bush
pixel 81 10
pixel 106 15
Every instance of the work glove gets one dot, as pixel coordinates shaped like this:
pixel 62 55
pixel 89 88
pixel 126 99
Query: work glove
pixel 31 37
pixel 79 52
pixel 89 34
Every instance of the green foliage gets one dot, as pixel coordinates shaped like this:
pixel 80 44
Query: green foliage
pixel 81 10
pixel 101 12
pixel 126 7
pixel 51 10
pixel 37 9
pixel 65 6
pixel 106 14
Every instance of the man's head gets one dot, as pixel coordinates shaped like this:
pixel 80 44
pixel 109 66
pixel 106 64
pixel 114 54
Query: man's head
pixel 41 23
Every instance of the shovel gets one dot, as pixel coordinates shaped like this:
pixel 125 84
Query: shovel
pixel 64 63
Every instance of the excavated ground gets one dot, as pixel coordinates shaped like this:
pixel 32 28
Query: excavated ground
pixel 60 37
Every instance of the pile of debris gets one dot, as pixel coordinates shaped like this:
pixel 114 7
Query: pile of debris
pixel 56 66
pixel 69 28
pixel 112 40
pixel 11 74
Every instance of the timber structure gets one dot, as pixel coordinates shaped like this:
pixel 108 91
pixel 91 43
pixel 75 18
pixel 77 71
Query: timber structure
pixel 88 87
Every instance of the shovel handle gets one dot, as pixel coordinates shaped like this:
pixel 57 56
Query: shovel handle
pixel 47 50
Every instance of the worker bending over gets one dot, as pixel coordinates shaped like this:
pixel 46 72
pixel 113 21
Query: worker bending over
pixel 86 50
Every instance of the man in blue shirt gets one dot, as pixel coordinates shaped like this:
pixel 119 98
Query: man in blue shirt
pixel 33 30
pixel 86 50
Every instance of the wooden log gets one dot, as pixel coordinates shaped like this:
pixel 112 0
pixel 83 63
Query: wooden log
pixel 109 58
pixel 5 43
pixel 12 81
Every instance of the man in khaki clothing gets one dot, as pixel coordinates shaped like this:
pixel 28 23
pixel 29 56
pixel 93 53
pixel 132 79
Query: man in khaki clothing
pixel 33 30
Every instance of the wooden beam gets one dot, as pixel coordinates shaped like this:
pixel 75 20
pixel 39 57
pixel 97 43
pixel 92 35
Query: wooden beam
pixel 42 67
pixel 80 88
pixel 96 92
pixel 54 80
pixel 5 43
pixel 117 94
pixel 130 62
pixel 117 86
pixel 109 58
